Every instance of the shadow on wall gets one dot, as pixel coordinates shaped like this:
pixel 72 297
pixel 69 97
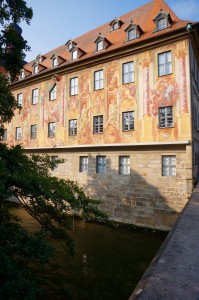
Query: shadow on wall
pixel 132 199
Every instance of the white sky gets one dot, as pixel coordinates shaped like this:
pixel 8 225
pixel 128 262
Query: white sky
pixel 55 22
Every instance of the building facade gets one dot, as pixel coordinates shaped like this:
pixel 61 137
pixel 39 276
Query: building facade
pixel 120 104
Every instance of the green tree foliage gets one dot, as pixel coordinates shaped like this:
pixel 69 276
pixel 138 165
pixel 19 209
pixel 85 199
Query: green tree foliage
pixel 51 201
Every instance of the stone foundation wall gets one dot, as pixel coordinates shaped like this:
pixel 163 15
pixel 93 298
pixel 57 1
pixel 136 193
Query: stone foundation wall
pixel 144 197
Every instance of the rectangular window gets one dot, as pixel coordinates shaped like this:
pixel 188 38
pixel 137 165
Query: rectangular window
pixel 83 164
pixel 33 131
pixel 51 129
pixel 98 80
pixel 18 133
pixel 73 127
pixel 74 86
pixel 124 164
pixel 19 99
pixel 100 45
pixel 164 63
pixel 132 34
pixel 98 124
pixel 35 96
pixel 53 93
pixel 53 160
pixel 4 135
pixel 128 72
pixel 101 164
pixel 128 120
pixel 74 54
pixel 168 165
pixel 166 117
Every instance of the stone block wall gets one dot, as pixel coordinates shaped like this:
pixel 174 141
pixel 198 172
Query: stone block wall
pixel 144 197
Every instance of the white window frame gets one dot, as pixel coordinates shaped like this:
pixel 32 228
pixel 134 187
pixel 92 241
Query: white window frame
pixel 72 127
pixel 35 93
pixel 51 129
pixel 33 131
pixel 168 165
pixel 124 165
pixel 164 63
pixel 22 74
pixel 36 69
pixel 98 124
pixel 165 117
pixel 161 24
pixel 100 45
pixel 128 121
pixel 83 164
pixel 20 99
pixel 53 93
pixel 18 133
pixel 54 62
pixel 98 80
pixel 131 34
pixel 74 54
pixel 101 164
pixel 128 72
pixel 115 26
pixel 73 86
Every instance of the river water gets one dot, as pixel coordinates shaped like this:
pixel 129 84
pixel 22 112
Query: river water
pixel 108 264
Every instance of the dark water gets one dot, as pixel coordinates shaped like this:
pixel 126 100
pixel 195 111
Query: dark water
pixel 108 264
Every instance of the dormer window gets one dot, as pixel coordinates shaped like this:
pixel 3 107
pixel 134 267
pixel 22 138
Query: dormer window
pixel 101 43
pixel 131 34
pixel 161 24
pixel 115 24
pixel 162 21
pixel 40 58
pixel 74 54
pixel 22 74
pixel 70 44
pixel 35 69
pixel 54 62
pixel 133 31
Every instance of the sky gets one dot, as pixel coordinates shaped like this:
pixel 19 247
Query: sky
pixel 55 22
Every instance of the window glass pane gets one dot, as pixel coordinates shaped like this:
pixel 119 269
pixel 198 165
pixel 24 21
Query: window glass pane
pixel 74 54
pixel 169 165
pixel 128 72
pixel 101 164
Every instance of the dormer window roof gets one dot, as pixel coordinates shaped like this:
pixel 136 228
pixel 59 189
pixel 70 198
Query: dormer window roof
pixel 162 21
pixel 115 24
pixel 101 43
pixel 133 31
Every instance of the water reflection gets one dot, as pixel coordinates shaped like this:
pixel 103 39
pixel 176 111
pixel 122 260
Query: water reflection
pixel 108 263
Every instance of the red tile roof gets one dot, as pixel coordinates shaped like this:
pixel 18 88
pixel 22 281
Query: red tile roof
pixel 142 16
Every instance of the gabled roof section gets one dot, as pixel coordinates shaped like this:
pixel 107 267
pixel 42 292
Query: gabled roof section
pixel 143 17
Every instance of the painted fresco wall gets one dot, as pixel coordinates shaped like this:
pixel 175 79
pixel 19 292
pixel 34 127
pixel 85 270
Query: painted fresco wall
pixel 144 96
